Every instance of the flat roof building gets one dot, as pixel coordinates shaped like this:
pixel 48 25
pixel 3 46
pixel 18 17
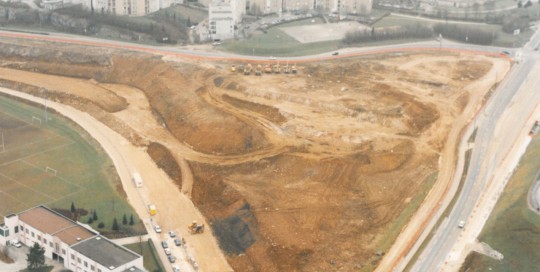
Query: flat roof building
pixel 78 247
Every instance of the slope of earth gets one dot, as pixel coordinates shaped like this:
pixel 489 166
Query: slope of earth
pixel 302 172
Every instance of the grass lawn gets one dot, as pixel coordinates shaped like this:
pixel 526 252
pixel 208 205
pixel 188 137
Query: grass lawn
pixel 184 12
pixel 277 43
pixel 79 171
pixel 512 228
pixel 148 251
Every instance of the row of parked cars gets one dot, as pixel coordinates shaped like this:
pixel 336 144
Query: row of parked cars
pixel 177 242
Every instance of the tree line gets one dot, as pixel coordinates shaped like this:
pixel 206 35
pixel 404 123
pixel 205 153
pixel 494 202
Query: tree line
pixel 461 33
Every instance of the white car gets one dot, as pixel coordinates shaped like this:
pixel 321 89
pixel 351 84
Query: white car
pixel 167 251
pixel 16 243
pixel 175 268
pixel 461 224
pixel 157 228
pixel 272 58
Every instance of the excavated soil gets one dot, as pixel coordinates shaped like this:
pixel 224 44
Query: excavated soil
pixel 299 172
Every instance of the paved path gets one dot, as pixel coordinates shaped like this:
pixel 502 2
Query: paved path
pixel 131 240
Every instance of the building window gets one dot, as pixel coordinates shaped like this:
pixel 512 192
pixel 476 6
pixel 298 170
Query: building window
pixel 26 230
pixel 63 251
pixel 85 264
pixel 78 260
pixel 22 228
pixel 16 229
pixel 39 237
pixel 44 241
pixel 57 247
pixel 92 267
pixel 50 244
pixel 33 235
pixel 73 256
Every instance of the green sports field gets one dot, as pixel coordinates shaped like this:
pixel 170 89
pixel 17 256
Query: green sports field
pixel 55 163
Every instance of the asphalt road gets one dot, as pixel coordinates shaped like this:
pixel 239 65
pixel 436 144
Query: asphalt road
pixel 493 140
pixel 217 55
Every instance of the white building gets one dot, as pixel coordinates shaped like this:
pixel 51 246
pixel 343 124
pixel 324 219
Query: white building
pixel 224 17
pixel 76 246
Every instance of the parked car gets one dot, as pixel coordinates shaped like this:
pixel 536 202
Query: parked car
pixel 164 244
pixel 167 251
pixel 177 242
pixel 172 234
pixel 16 243
pixel 157 228
pixel 172 259
pixel 175 268
pixel 335 53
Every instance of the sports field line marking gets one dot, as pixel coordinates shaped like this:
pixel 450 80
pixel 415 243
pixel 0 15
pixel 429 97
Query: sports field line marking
pixel 58 177
pixel 38 142
pixel 38 127
pixel 8 195
pixel 34 154
pixel 24 185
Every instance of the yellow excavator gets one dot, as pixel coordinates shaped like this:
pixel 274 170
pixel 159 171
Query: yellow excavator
pixel 196 228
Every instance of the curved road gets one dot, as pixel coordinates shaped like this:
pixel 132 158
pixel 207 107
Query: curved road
pixel 499 127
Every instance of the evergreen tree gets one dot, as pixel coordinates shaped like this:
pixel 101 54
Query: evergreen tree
pixel 131 222
pixel 124 220
pixel 73 209
pixel 101 225
pixel 35 258
pixel 90 220
pixel 115 225
pixel 94 216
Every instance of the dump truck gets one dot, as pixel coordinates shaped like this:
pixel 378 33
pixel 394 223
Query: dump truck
pixel 152 209
pixel 267 69
pixel 286 69
pixel 196 228
pixel 137 180
pixel 258 70
pixel 247 69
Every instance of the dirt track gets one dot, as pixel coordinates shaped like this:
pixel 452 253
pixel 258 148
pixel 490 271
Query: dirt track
pixel 304 172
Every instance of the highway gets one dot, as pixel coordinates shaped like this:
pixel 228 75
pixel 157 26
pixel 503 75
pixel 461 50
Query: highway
pixel 496 135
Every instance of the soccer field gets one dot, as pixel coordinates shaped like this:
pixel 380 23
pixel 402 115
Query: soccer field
pixel 55 163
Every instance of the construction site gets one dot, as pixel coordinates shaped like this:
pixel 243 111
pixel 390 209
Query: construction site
pixel 298 167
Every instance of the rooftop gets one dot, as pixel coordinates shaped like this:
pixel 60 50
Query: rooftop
pixel 133 269
pixel 48 221
pixel 108 254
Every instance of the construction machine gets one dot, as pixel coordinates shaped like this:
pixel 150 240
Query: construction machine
pixel 286 69
pixel 277 69
pixel 240 68
pixel 196 228
pixel 293 69
pixel 247 69
pixel 258 70
pixel 233 68
pixel 267 69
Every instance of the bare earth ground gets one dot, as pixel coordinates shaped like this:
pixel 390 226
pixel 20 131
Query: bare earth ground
pixel 294 173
